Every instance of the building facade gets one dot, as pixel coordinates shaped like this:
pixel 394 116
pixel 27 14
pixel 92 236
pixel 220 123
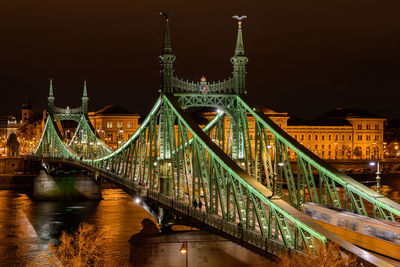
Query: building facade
pixel 114 124
pixel 340 134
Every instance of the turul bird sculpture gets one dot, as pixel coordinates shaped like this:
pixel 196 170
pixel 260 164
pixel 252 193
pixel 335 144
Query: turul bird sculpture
pixel 239 18
pixel 166 14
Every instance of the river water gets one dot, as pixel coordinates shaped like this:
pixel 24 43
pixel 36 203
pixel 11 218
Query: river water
pixel 27 226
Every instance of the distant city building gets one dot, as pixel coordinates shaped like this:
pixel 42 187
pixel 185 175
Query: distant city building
pixel 12 146
pixel 114 124
pixel 27 128
pixel 339 134
pixel 30 128
pixel 392 139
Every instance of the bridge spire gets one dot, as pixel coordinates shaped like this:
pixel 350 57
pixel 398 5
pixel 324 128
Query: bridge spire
pixel 239 61
pixel 51 98
pixel 85 99
pixel 167 59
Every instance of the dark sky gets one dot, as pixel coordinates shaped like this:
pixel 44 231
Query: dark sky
pixel 305 57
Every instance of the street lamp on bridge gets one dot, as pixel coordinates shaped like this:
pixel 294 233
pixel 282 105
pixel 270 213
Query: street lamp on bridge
pixel 378 172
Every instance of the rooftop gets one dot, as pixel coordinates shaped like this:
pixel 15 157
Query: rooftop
pixel 112 110
pixel 341 113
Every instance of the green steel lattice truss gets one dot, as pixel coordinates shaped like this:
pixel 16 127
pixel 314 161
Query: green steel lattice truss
pixel 233 174
pixel 85 142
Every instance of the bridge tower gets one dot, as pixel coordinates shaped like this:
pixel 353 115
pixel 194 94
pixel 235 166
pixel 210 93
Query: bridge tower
pixel 167 70
pixel 239 61
pixel 85 142
pixel 167 61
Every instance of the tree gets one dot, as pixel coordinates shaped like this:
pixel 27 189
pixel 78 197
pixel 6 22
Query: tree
pixel 86 247
pixel 329 255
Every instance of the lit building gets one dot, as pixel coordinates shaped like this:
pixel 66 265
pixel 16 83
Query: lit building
pixel 114 124
pixel 339 134
pixel 30 129
pixel 392 139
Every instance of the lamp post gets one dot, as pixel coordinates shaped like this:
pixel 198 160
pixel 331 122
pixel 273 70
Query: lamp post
pixel 378 177
pixel 184 250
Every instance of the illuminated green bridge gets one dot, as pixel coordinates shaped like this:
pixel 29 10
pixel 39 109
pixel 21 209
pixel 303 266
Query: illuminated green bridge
pixel 171 161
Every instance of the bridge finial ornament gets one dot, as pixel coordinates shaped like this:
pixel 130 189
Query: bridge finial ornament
pixel 85 99
pixel 167 58
pixel 167 48
pixel 239 41
pixel 51 98
pixel 239 60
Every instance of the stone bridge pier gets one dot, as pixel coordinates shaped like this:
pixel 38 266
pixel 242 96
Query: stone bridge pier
pixel 151 248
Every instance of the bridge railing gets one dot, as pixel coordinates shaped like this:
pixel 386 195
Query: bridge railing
pixel 219 224
pixel 220 87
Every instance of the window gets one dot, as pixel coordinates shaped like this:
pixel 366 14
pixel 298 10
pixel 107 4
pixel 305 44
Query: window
pixel 341 222
pixel 376 126
pixel 295 136
pixel 315 215
pixel 325 217
pixel 349 137
pixel 329 137
pixel 386 235
pixel 309 212
pixel 302 137
pixel 329 146
pixel 110 137
pixel 323 137
pixel 336 137
pixel 351 225
pixel 309 137
pixel 322 146
pixel 359 137
pixel 368 137
pixel 368 126
pixel 343 137
pixel 376 137
pixel 120 124
pixel 359 127
pixel 323 153
pixel 109 124
pixel 316 137
pixel 130 125
pixel 329 153
pixel 316 146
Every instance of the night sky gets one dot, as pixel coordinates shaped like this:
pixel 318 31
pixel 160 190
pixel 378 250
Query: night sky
pixel 305 57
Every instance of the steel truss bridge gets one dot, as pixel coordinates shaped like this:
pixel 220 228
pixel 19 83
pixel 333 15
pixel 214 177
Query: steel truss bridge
pixel 238 165
pixel 85 141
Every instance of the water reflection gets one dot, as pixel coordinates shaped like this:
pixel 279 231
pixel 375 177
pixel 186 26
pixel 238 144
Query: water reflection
pixel 26 227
